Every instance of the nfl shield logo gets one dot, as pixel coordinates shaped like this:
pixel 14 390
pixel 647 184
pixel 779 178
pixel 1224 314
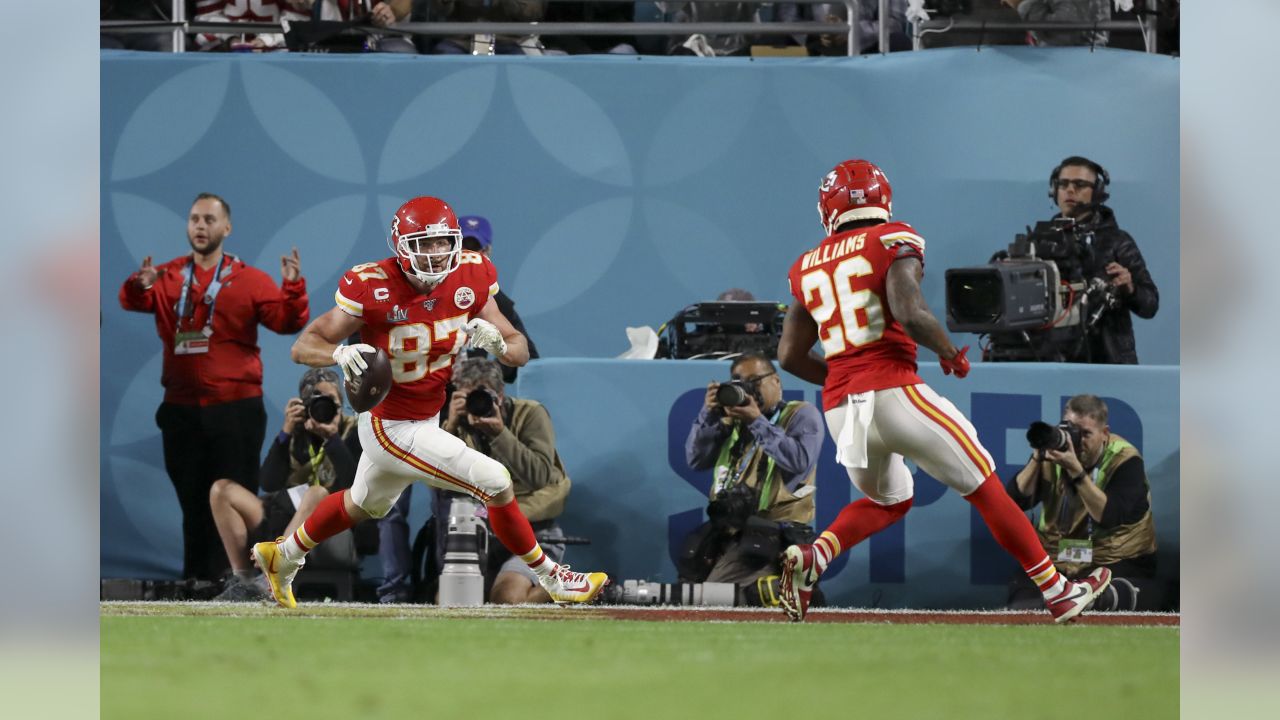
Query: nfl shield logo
pixel 429 304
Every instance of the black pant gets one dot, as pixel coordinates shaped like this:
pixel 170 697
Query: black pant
pixel 203 444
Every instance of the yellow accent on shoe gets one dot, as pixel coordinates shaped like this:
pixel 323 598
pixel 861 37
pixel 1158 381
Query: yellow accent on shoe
pixel 568 587
pixel 271 562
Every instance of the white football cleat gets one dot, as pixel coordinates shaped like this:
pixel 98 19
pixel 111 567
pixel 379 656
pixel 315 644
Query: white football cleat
pixel 565 586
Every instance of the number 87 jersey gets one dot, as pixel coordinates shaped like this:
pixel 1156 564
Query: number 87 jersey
pixel 842 285
pixel 421 333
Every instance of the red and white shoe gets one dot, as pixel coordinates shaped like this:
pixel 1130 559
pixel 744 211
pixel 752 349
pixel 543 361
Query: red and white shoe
pixel 799 575
pixel 1078 596
pixel 568 587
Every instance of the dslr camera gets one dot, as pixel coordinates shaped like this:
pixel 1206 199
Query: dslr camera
pixel 321 408
pixel 737 393
pixel 731 507
pixel 1043 436
pixel 1035 300
pixel 481 402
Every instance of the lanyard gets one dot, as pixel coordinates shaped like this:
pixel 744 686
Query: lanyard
pixel 1064 515
pixel 210 293
pixel 316 458
pixel 748 450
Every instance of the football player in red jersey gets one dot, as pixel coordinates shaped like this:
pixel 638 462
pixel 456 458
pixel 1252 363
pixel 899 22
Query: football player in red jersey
pixel 421 307
pixel 858 294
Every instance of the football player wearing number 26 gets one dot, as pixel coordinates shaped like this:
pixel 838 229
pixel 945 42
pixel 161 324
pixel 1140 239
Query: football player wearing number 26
pixel 421 306
pixel 858 294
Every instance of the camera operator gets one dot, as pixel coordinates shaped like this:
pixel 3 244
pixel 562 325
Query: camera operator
pixel 314 454
pixel 517 433
pixel 1111 259
pixel 1095 504
pixel 764 453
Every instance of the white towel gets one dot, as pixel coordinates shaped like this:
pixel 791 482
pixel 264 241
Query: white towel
pixel 851 446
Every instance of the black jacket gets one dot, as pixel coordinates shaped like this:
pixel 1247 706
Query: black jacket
pixel 1111 340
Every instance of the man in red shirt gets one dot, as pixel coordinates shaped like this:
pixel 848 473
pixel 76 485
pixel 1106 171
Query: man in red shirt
pixel 858 294
pixel 420 307
pixel 208 305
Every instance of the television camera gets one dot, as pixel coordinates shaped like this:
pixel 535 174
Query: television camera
pixel 1038 300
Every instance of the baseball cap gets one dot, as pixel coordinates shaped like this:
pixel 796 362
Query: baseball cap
pixel 474 226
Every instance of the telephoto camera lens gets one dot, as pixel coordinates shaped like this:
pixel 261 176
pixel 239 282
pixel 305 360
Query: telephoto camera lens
pixel 480 403
pixel 462 578
pixel 1043 436
pixel 322 408
pixel 732 394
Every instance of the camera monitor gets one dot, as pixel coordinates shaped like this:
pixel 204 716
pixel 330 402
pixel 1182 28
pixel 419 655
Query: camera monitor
pixel 1008 295
pixel 712 329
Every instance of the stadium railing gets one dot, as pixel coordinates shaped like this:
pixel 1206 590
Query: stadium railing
pixel 927 27
pixel 181 27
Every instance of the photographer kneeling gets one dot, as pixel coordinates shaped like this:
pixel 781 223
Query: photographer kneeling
pixel 1095 506
pixel 314 454
pixel 764 453
pixel 517 433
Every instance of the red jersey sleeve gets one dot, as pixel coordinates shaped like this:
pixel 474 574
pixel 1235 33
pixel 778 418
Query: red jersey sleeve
pixel 901 241
pixel 282 309
pixel 354 290
pixel 490 275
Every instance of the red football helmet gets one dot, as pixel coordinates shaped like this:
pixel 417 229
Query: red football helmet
pixel 854 190
pixel 419 220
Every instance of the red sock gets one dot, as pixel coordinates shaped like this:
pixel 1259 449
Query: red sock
pixel 861 519
pixel 512 528
pixel 328 519
pixel 1014 532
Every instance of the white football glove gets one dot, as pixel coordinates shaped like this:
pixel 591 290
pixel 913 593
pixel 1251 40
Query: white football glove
pixel 485 336
pixel 349 358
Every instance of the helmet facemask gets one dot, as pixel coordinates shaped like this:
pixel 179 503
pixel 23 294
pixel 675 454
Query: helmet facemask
pixel 423 254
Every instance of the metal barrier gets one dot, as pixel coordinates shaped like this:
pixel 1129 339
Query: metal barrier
pixel 180 26
pixel 920 29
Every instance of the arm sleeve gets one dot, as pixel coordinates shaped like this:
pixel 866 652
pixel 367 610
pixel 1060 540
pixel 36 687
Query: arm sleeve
pixel 1144 301
pixel 1126 495
pixel 337 449
pixel 274 474
pixel 1024 502
pixel 793 449
pixel 284 310
pixel 703 443
pixel 531 456
pixel 135 298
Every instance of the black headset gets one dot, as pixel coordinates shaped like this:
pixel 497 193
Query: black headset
pixel 1100 185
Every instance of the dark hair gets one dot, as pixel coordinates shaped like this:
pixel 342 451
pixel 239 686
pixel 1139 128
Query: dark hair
pixel 748 357
pixel 313 377
pixel 478 371
pixel 1102 179
pixel 1090 406
pixel 210 196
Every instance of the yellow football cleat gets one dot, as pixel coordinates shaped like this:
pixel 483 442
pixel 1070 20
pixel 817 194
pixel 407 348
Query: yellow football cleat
pixel 279 571
pixel 568 587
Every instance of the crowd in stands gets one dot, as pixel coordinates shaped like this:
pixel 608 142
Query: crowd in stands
pixel 330 18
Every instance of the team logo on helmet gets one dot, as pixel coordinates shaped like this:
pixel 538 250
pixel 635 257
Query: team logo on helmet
pixel 828 182
pixel 464 298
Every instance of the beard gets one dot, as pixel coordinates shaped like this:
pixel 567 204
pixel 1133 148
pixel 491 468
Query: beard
pixel 211 246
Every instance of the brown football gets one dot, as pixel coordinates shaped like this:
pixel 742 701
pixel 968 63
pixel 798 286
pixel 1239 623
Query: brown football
pixel 372 385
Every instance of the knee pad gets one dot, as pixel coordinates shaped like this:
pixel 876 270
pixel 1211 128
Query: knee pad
pixel 377 508
pixel 490 478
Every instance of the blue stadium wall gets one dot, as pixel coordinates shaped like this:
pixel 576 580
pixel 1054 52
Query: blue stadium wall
pixel 619 191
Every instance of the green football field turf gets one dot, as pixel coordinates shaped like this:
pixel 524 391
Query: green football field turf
pixel 269 664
